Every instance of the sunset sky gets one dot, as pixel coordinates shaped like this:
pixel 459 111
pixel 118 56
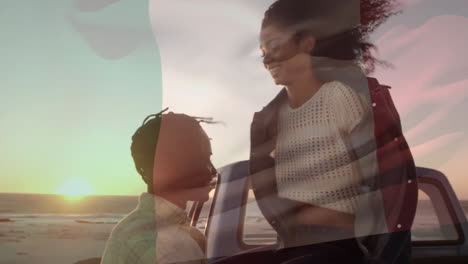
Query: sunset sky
pixel 77 80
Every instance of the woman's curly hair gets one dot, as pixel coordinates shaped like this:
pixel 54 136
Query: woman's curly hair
pixel 373 14
pixel 353 43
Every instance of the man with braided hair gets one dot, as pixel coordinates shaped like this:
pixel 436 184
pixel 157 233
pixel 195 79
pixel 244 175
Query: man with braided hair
pixel 172 153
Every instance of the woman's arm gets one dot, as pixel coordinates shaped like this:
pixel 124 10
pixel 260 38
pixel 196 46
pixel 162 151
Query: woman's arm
pixel 315 215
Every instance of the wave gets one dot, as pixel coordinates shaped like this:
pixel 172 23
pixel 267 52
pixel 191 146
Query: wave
pixel 78 218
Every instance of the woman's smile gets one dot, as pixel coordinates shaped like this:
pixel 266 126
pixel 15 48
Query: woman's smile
pixel 274 70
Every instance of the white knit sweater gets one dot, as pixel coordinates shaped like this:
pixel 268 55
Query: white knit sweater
pixel 313 163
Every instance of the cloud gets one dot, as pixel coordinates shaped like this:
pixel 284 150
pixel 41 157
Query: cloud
pixel 430 88
pixel 436 144
pixel 211 66
pixel 113 29
pixel 92 5
pixel 409 3
pixel 427 63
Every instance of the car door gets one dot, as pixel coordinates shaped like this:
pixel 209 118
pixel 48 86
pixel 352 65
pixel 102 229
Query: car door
pixel 224 226
pixel 234 224
pixel 440 228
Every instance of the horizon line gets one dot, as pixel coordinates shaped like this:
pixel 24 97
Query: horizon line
pixel 59 194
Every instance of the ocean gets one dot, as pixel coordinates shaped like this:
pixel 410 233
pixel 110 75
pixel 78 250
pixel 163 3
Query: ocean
pixel 54 208
pixel 110 209
pixel 34 226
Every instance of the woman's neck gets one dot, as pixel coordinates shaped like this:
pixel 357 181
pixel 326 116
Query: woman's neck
pixel 302 90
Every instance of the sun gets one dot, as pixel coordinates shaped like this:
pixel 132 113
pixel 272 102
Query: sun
pixel 75 189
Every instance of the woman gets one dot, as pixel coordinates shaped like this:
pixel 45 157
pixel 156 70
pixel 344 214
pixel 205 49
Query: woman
pixel 305 170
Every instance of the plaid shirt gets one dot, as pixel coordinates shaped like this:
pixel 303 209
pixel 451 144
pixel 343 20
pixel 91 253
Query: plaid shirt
pixel 177 241
pixel 133 239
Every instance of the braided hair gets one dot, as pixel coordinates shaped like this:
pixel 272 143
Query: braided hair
pixel 144 141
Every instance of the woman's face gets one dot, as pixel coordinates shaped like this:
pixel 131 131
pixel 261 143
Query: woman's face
pixel 284 56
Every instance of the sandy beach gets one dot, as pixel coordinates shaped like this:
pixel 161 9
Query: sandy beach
pixel 61 242
pixel 36 228
pixel 48 229
pixel 52 240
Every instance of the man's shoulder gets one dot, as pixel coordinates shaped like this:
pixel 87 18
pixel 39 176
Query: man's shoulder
pixel 134 225
pixel 178 244
pixel 132 239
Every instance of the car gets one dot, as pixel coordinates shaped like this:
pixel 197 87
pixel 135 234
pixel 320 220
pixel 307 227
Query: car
pixel 233 223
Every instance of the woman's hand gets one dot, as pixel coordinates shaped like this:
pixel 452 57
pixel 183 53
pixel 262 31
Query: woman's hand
pixel 314 215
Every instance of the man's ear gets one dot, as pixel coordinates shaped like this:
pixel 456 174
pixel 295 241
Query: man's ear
pixel 307 44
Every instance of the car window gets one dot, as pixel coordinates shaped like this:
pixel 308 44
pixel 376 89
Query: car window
pixel 431 224
pixel 190 207
pixel 203 217
pixel 199 213
pixel 256 230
